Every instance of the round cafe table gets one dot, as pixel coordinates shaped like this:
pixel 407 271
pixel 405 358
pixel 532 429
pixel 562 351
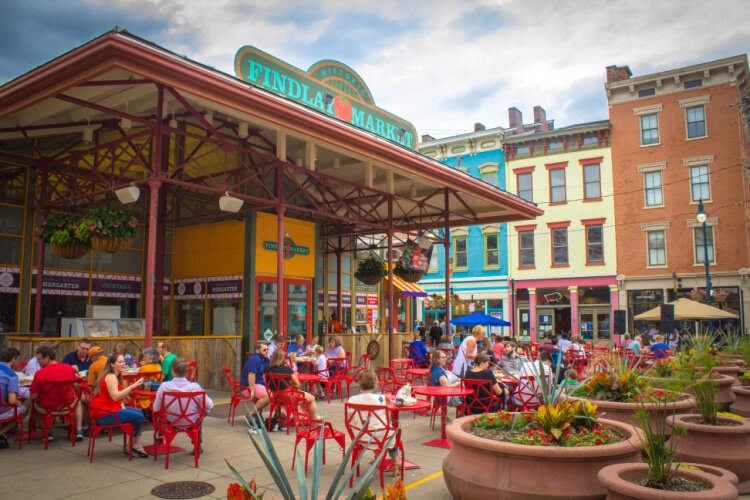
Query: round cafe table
pixel 305 379
pixel 443 393
pixel 419 373
pixel 394 410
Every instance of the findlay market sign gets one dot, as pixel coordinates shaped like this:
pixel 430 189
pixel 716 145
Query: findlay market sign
pixel 328 86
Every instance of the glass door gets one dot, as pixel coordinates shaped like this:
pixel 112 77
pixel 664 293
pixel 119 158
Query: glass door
pixel 595 324
pixel 267 318
pixel 298 309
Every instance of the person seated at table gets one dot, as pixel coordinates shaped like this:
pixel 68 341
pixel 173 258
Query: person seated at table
pixel 571 380
pixel 418 351
pixel 273 344
pixel 121 348
pixel 335 351
pixel 80 357
pixel 526 391
pixel 298 347
pixel 481 371
pixel 167 358
pixel 321 369
pixel 511 361
pixel 287 387
pixel 98 363
pixel 555 352
pixel 498 349
pixel 10 390
pixel 108 401
pixel 445 342
pixel 564 343
pixel 252 376
pixel 151 362
pixel 635 345
pixel 368 382
pixel 310 349
pixel 625 341
pixel 438 375
pixel 52 371
pixel 180 383
pixel 659 348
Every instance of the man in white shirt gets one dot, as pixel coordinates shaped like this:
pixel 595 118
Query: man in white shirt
pixel 181 384
pixel 527 393
pixel 564 344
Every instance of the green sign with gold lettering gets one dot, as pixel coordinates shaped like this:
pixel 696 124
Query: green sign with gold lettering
pixel 328 86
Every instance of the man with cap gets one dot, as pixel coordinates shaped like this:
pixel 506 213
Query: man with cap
pixel 98 362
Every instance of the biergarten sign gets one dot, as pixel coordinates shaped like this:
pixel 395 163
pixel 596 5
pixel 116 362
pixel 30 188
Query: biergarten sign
pixel 329 87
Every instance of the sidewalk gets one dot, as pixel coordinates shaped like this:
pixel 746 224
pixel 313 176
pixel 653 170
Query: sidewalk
pixel 64 471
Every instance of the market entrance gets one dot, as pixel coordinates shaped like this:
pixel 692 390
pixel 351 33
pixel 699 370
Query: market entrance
pixel 296 302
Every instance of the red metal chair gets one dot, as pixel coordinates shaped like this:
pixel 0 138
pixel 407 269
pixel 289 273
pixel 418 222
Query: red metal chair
pixel 57 398
pixel 378 429
pixel 525 398
pixel 96 429
pixel 235 392
pixel 14 416
pixel 19 367
pixel 335 371
pixel 309 430
pixel 180 412
pixel 399 367
pixel 279 387
pixel 353 372
pixel 192 373
pixel 387 380
pixel 484 399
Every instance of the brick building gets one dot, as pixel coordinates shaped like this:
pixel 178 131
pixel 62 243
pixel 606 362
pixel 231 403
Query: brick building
pixel 679 138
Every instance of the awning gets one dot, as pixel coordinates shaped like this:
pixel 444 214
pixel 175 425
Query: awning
pixel 408 289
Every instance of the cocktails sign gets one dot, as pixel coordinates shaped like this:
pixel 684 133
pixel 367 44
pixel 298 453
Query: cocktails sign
pixel 328 86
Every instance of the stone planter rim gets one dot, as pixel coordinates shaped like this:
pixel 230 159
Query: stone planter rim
pixel 686 402
pixel 743 426
pixel 742 389
pixel 721 488
pixel 634 441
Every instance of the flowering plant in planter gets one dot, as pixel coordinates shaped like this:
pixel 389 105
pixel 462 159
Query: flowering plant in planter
pixel 60 232
pixel 371 270
pixel 109 223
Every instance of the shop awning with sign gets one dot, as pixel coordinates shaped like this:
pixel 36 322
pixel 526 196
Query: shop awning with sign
pixel 408 289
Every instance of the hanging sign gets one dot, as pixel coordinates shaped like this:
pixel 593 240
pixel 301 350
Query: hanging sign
pixel 224 287
pixel 10 279
pixel 191 288
pixel 328 86
pixel 415 258
pixel 63 283
pixel 115 285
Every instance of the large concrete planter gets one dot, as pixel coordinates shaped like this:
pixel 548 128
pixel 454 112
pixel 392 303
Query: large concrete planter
pixel 741 405
pixel 727 447
pixel 625 412
pixel 481 468
pixel 723 394
pixel 616 478
pixel 732 371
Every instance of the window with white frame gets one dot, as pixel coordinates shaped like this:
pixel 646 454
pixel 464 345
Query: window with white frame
pixel 525 189
pixel 560 246
pixel 595 244
pixel 526 248
pixel 696 122
pixel 592 188
pixel 460 252
pixel 700 249
pixel 491 250
pixel 700 188
pixel 649 129
pixel 657 248
pixel 654 195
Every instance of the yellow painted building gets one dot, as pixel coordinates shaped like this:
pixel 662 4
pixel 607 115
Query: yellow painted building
pixel 562 265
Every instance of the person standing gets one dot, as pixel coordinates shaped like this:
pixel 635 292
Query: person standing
pixel 167 358
pixel 80 357
pixel 422 331
pixel 467 351
pixel 436 333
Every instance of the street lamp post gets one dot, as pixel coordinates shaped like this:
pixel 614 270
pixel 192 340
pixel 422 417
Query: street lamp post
pixel 701 217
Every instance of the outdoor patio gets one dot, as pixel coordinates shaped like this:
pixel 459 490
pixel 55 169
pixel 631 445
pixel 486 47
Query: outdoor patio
pixel 64 471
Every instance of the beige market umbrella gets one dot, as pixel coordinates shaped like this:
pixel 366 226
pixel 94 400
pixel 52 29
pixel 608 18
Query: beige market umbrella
pixel 686 309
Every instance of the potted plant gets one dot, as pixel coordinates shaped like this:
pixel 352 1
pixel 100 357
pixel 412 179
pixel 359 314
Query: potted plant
pixel 619 392
pixel 111 229
pixel 406 274
pixel 371 270
pixel 660 477
pixel 710 438
pixel 60 232
pixel 502 455
pixel 741 405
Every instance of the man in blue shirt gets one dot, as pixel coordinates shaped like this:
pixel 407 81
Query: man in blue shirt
pixel 660 349
pixel 252 376
pixel 418 352
pixel 9 391
pixel 80 357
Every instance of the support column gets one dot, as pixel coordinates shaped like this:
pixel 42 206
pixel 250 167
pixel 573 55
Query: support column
pixel 280 306
pixel 339 294
pixel 573 310
pixel 40 256
pixel 614 302
pixel 532 314
pixel 448 265
pixel 150 281
pixel 390 324
pixel 512 307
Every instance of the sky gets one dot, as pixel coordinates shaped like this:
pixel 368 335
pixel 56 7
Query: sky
pixel 443 65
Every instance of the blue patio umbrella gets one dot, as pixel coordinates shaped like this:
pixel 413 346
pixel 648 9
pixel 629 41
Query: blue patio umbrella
pixel 479 319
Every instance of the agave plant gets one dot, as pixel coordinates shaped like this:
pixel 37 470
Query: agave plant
pixel 262 442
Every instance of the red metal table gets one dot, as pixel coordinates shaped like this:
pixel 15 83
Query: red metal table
pixel 421 405
pixel 159 447
pixel 419 373
pixel 307 378
pixel 443 393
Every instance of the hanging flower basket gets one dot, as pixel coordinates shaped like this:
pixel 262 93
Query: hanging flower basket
pixel 370 279
pixel 70 250
pixel 110 245
pixel 406 274
pixel 370 271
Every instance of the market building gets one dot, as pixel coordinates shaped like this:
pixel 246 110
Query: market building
pixel 679 143
pixel 562 265
pixel 221 172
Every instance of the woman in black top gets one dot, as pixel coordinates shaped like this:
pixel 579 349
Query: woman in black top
pixel 288 384
pixel 476 402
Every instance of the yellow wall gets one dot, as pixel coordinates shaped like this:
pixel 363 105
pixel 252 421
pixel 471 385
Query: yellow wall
pixel 574 211
pixel 209 250
pixel 303 235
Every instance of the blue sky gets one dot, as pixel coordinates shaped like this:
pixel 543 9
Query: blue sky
pixel 442 64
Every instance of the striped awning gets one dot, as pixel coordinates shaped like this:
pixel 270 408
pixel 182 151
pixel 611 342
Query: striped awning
pixel 408 289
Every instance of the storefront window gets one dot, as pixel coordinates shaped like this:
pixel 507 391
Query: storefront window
pixel 190 317
pixel 8 310
pixel 226 316
pixel 593 295
pixel 641 301
pixel 55 308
